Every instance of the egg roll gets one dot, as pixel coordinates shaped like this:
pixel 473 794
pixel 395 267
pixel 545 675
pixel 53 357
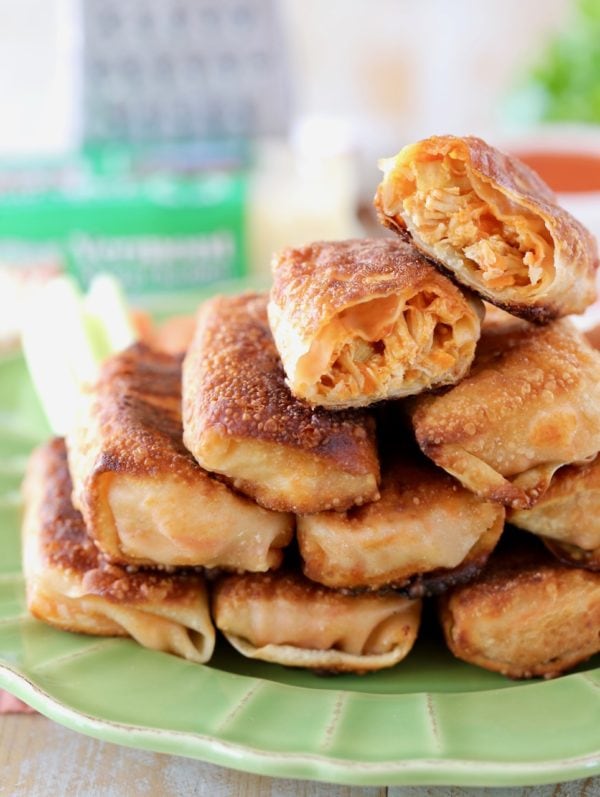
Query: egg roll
pixel 567 516
pixel 70 585
pixel 525 616
pixel 144 498
pixel 241 421
pixel 425 533
pixel 284 618
pixel 530 404
pixel 491 222
pixel 359 321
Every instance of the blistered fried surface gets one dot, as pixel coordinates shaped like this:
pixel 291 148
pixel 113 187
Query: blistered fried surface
pixel 568 513
pixel 526 615
pixel 424 534
pixel 65 544
pixel 287 618
pixel 71 585
pixel 530 404
pixel 144 498
pixel 241 421
pixel 359 321
pixel 493 223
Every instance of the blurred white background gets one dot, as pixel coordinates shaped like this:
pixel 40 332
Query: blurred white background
pixel 393 70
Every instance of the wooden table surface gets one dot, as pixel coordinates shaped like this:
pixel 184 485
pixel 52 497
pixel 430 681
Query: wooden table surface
pixel 39 758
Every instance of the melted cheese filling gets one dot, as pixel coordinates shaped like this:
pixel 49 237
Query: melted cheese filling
pixel 392 344
pixel 453 212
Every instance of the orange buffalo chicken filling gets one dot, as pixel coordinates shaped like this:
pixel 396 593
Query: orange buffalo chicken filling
pixel 452 211
pixel 374 345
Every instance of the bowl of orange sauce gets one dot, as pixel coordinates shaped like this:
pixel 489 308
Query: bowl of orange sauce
pixel 568 159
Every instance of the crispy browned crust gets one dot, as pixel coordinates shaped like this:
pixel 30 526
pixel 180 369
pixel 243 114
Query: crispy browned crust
pixel 65 545
pixel 531 390
pixel 567 516
pixel 234 594
pixel 234 383
pixel 137 411
pixel 409 483
pixel 316 281
pixel 525 616
pixel 240 588
pixel 132 426
pixel 575 246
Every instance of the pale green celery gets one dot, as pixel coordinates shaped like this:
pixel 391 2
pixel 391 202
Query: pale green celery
pixel 67 336
pixel 107 310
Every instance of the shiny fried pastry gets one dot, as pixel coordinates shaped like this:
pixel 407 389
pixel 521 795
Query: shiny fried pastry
pixel 424 534
pixel 530 404
pixel 360 321
pixel 567 516
pixel 284 618
pixel 240 419
pixel 71 586
pixel 526 615
pixel 143 497
pixel 493 223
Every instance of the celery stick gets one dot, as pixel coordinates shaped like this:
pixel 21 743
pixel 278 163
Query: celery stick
pixel 57 351
pixel 106 307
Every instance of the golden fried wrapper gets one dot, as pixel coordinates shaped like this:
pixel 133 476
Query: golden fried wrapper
pixel 72 586
pixel 424 534
pixel 526 615
pixel 144 498
pixel 491 222
pixel 530 404
pixel 360 321
pixel 284 618
pixel 241 421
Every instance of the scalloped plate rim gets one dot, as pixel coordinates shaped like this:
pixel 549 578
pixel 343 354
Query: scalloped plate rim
pixel 442 770
pixel 413 772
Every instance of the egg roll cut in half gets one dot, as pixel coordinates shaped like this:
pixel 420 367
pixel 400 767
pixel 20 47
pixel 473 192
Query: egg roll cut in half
pixel 567 516
pixel 240 419
pixel 144 498
pixel 284 618
pixel 72 586
pixel 360 321
pixel 424 534
pixel 530 404
pixel 526 615
pixel 493 223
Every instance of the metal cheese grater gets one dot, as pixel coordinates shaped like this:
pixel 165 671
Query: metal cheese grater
pixel 157 70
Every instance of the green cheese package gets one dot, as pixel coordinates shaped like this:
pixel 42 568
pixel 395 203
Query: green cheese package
pixel 159 232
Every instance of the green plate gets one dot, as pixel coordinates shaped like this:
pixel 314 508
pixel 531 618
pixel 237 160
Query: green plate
pixel 430 720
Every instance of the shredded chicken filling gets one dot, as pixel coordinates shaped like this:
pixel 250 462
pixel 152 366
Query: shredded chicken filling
pixel 385 340
pixel 506 247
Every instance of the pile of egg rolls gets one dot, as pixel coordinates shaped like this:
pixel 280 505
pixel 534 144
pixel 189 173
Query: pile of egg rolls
pixel 322 459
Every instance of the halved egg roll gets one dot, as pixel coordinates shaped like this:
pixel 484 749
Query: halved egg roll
pixel 530 404
pixel 493 223
pixel 286 619
pixel 526 615
pixel 567 516
pixel 72 586
pixel 424 534
pixel 143 497
pixel 360 321
pixel 240 419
